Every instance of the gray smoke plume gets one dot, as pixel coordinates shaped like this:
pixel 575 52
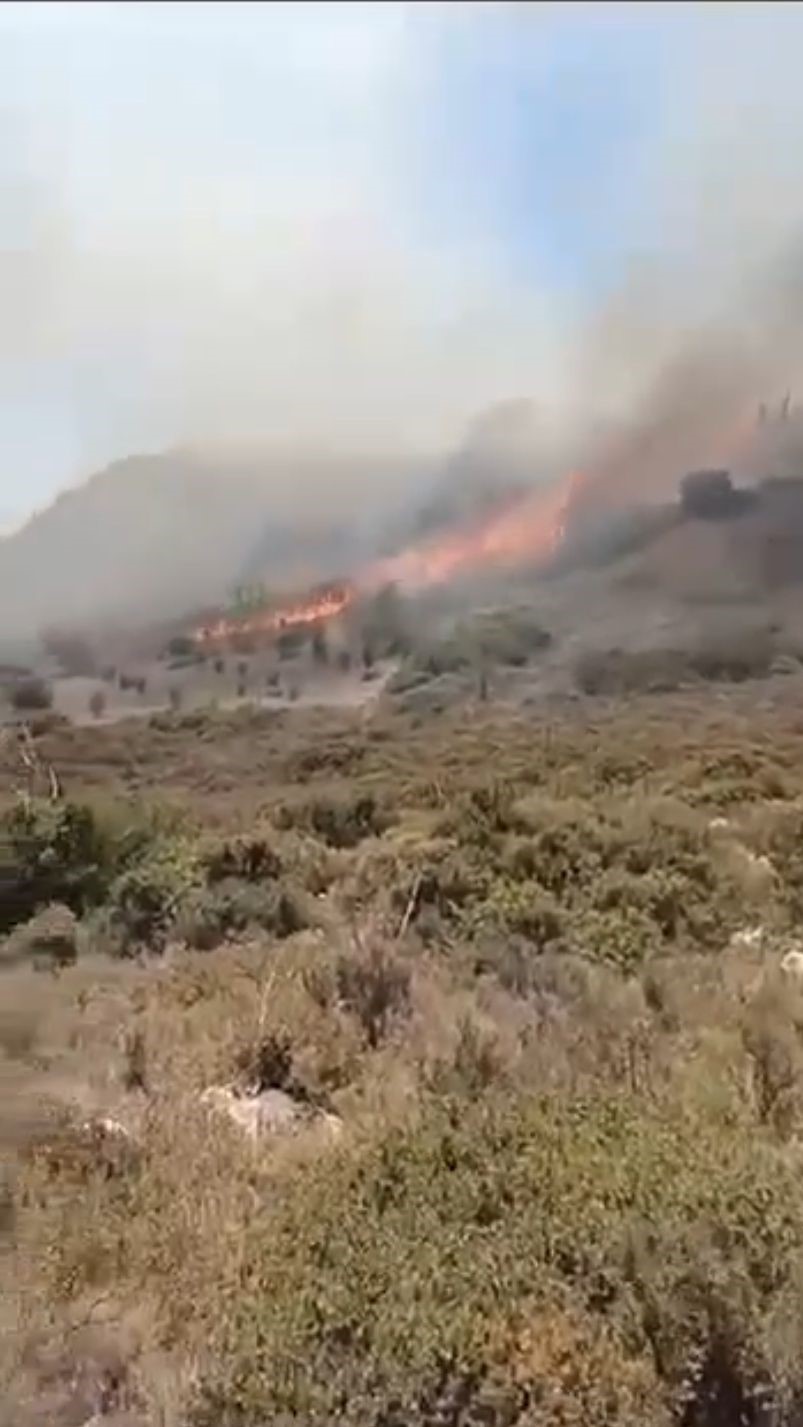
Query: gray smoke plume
pixel 164 285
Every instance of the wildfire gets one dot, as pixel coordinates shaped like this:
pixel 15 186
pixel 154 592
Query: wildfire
pixel 324 605
pixel 531 527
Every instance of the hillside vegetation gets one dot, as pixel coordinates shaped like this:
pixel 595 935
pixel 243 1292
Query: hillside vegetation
pixel 520 982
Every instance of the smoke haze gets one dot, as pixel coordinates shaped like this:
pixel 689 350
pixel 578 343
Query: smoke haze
pixel 230 226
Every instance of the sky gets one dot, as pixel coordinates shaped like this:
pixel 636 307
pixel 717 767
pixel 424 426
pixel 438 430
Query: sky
pixel 358 224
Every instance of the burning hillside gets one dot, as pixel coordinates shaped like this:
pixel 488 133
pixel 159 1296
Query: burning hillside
pixel 531 527
pixel 321 604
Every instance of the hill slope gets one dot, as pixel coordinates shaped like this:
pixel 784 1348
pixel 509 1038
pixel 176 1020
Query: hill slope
pixel 152 536
pixel 155 535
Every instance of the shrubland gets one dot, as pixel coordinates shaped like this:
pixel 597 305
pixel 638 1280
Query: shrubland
pixel 748 654
pixel 529 968
pixel 495 638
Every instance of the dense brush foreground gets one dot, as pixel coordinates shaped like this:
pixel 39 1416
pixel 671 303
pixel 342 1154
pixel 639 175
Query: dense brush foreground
pixel 521 979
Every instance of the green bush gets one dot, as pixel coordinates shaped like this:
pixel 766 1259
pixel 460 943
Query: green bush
pixel 143 901
pixel 623 937
pixel 208 915
pixel 523 910
pixel 612 879
pixel 422 1257
pixel 199 891
pixel 51 852
pixel 566 1189
pixel 507 637
pixel 137 874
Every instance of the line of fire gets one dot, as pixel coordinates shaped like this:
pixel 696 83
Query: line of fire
pixel 531 527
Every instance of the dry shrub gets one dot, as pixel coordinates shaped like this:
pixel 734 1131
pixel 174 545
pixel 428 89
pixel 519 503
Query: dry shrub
pixel 510 959
pixel 19 1030
pixel 86 1374
pixel 97 703
pixel 81 1156
pixel 772 1031
pixel 730 659
pixel 332 753
pixel 614 671
pixel 48 940
pixel 341 821
pixel 251 857
pixel 135 1059
pixel 580 1371
pixel 267 1061
pixel 30 695
pixel 373 984
pixel 72 650
pixel 477 1060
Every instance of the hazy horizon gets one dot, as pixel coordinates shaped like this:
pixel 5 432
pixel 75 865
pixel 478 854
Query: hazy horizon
pixel 353 227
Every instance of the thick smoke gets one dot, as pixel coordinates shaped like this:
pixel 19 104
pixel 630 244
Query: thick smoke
pixel 173 275
pixel 702 326
pixel 700 395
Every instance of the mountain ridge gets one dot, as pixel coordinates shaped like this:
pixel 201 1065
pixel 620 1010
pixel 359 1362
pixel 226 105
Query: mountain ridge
pixel 155 535
pixel 159 533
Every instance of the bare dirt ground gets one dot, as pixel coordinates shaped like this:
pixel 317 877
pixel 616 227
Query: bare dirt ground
pixel 202 689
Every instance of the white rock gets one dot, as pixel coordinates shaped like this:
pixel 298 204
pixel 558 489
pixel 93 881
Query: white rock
pixel 747 939
pixel 792 964
pixel 269 1112
pixel 758 874
pixel 106 1125
pixel 332 1124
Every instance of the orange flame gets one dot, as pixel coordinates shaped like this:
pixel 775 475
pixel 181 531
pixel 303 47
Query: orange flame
pixel 324 606
pixel 532 527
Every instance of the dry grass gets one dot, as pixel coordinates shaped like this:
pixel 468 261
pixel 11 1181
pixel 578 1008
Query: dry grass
pixel 567 1185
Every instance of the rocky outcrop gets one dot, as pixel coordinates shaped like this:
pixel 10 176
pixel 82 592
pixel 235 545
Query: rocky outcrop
pixel 266 1112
